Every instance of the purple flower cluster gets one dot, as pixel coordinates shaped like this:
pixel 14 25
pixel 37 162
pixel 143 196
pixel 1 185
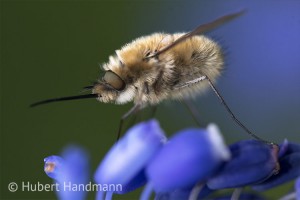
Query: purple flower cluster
pixel 193 164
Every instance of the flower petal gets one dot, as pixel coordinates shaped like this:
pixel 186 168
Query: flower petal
pixel 136 182
pixel 69 171
pixel 189 157
pixel 288 148
pixel 252 161
pixel 283 148
pixel 54 167
pixel 289 170
pixel 130 155
pixel 297 188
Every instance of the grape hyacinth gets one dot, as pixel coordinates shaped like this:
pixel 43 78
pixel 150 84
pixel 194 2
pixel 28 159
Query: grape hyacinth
pixel 194 163
pixel 125 162
pixel 69 171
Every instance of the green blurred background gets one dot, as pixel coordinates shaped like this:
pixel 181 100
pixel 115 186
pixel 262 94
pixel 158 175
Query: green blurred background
pixel 53 48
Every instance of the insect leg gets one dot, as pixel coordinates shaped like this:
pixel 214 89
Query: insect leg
pixel 233 116
pixel 187 84
pixel 193 110
pixel 133 110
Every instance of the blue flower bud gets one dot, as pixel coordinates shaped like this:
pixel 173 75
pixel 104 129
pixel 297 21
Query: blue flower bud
pixel 288 148
pixel 54 167
pixel 252 162
pixel 289 168
pixel 283 148
pixel 191 156
pixel 124 163
pixel 136 182
pixel 297 188
pixel 69 172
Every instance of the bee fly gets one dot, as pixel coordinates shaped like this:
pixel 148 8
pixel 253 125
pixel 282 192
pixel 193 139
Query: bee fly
pixel 161 66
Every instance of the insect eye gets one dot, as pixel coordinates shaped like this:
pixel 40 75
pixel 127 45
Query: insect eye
pixel 114 80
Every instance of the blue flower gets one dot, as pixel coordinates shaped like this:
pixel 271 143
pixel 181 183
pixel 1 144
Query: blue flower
pixel 297 188
pixel 125 161
pixel 252 162
pixel 289 161
pixel 190 157
pixel 193 164
pixel 136 182
pixel 69 171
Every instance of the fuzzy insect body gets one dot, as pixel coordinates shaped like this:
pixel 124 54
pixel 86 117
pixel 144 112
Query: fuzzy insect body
pixel 151 80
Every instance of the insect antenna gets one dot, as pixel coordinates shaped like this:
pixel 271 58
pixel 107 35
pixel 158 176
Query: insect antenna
pixel 86 96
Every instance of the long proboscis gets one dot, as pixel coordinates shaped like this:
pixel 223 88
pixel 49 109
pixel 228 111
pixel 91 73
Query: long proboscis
pixel 69 98
pixel 200 30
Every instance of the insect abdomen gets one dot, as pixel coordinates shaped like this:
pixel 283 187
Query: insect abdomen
pixel 196 57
